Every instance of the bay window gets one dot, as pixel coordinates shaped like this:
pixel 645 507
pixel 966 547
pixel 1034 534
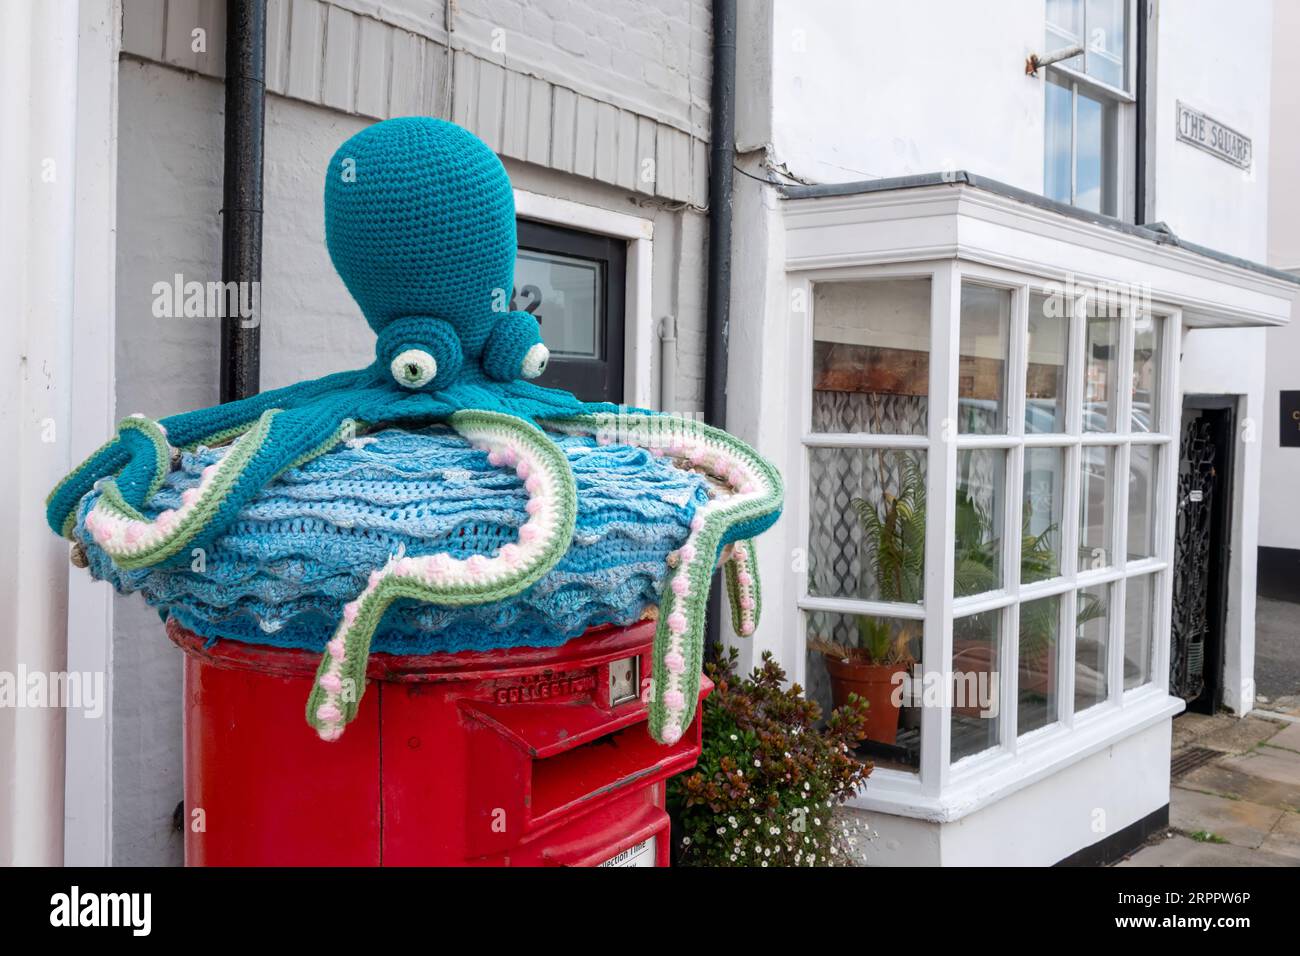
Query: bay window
pixel 1052 608
pixel 980 394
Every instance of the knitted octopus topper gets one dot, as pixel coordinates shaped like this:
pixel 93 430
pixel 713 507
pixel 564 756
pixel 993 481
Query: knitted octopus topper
pixel 420 224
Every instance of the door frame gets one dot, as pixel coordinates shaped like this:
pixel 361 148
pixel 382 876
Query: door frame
pixel 1221 557
pixel 638 333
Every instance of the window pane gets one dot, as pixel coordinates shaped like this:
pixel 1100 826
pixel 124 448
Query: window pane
pixel 975 683
pixel 1142 497
pixel 1040 624
pixel 1049 337
pixel 1040 546
pixel 871 656
pixel 1092 639
pixel 1065 28
pixel 1101 357
pixel 871 356
pixel 1139 621
pixel 1057 143
pixel 1094 507
pixel 1146 374
pixel 1107 41
pixel 866 534
pixel 564 294
pixel 982 372
pixel 977 536
pixel 1095 181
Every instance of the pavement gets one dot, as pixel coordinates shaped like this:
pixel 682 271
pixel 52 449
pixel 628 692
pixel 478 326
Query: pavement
pixel 1241 805
pixel 1277 650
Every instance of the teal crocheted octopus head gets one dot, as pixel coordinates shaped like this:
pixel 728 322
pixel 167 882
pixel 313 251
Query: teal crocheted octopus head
pixel 420 224
pixel 419 221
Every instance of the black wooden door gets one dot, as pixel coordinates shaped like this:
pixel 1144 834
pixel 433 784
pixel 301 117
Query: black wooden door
pixel 574 283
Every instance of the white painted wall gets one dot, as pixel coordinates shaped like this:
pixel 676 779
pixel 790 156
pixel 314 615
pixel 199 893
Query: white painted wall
pixel 1279 505
pixel 38 80
pixel 882 88
pixel 1042 823
pixel 835 92
pixel 1217 59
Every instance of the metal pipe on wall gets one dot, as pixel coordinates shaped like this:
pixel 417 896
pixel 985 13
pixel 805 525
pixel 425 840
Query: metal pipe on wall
pixel 241 199
pixel 722 138
pixel 668 363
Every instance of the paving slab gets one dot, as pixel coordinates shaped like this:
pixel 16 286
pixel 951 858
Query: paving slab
pixel 1234 783
pixel 1190 728
pixel 1240 822
pixel 1240 734
pixel 1179 850
pixel 1284 840
pixel 1288 738
pixel 1268 763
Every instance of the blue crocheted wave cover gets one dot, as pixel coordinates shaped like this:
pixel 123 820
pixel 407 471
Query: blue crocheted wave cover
pixel 302 548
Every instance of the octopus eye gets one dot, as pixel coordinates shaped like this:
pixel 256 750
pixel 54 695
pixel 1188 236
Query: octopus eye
pixel 414 368
pixel 535 360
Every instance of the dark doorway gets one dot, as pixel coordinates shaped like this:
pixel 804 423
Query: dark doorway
pixel 1202 552
pixel 574 285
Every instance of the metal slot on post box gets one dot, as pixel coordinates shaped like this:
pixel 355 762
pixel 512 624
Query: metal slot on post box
pixel 624 680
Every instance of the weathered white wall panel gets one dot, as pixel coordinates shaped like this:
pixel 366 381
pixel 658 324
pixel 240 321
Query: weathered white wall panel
pixel 629 82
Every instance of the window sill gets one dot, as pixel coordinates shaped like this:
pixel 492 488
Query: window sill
pixel 985 779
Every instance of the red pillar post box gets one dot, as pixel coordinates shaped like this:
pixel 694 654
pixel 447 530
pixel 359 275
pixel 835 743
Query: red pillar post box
pixel 525 757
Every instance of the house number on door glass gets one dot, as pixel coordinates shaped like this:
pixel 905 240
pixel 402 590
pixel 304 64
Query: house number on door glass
pixel 565 295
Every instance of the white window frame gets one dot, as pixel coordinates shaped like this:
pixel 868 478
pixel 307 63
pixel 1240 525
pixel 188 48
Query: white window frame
pixel 1126 131
pixel 937 772
pixel 948 231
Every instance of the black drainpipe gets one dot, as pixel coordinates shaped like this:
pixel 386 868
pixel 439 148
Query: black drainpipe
pixel 722 138
pixel 241 196
pixel 722 105
pixel 1140 116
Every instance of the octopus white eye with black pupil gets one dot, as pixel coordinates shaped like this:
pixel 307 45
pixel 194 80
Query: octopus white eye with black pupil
pixel 535 361
pixel 414 368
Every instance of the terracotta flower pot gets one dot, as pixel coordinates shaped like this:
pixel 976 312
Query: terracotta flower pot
pixel 874 683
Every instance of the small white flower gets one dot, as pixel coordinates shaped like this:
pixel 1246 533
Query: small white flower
pixel 734 737
pixel 758 763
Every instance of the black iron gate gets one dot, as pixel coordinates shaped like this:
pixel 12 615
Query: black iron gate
pixel 1200 554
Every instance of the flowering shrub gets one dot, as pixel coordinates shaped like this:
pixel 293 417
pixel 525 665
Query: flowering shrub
pixel 768 779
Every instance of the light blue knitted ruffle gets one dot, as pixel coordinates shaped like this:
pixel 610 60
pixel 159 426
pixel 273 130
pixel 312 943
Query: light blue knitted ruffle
pixel 304 546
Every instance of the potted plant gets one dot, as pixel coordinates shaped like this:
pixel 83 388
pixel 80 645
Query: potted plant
pixel 894 554
pixel 871 669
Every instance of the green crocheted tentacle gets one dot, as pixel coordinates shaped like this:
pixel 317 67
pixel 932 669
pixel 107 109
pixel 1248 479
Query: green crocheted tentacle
pixel 133 540
pixel 450 582
pixel 137 457
pixel 754 499
pixel 743 593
